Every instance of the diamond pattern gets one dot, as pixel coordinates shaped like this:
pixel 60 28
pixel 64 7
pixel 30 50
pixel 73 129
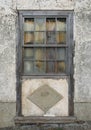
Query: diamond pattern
pixel 45 97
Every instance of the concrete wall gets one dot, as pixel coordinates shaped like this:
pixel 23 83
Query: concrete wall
pixel 82 59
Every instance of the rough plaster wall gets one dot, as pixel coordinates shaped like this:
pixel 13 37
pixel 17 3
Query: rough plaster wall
pixel 82 51
pixel 45 4
pixel 7 51
pixel 8 40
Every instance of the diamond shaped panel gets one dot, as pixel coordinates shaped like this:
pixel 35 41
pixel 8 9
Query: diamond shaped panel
pixel 45 97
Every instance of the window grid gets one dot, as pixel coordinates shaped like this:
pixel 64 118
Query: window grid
pixel 45 45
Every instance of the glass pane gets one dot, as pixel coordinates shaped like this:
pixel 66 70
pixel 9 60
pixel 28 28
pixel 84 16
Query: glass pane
pixel 61 37
pixel 50 53
pixel 28 37
pixel 29 24
pixel 51 37
pixel 28 53
pixel 60 53
pixel 40 24
pixel 50 67
pixel 39 67
pixel 61 24
pixel 50 24
pixel 39 53
pixel 39 37
pixel 61 67
pixel 28 67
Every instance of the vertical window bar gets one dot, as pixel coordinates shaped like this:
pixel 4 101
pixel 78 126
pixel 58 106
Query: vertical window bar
pixel 34 30
pixel 56 60
pixel 23 32
pixel 45 32
pixel 56 47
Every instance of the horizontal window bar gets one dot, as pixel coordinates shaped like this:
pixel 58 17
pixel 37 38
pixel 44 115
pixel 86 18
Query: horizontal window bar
pixel 62 76
pixel 45 45
pixel 45 31
pixel 44 60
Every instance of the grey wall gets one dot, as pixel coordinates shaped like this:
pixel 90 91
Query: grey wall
pixel 8 43
pixel 82 58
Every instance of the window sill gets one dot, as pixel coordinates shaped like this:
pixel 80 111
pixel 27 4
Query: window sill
pixel 44 120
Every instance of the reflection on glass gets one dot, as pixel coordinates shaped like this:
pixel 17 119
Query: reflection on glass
pixel 61 24
pixel 39 37
pixel 29 24
pixel 50 24
pixel 28 53
pixel 50 52
pixel 61 37
pixel 40 24
pixel 39 53
pixel 28 67
pixel 39 67
pixel 28 37
pixel 50 67
pixel 61 53
pixel 61 67
pixel 51 37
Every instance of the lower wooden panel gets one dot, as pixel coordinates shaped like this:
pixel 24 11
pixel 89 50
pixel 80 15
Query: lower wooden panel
pixel 45 97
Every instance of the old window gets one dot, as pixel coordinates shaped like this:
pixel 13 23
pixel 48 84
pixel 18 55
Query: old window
pixel 45 44
pixel 45 50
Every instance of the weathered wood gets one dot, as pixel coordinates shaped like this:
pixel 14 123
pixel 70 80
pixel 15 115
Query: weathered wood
pixel 44 120
pixel 69 75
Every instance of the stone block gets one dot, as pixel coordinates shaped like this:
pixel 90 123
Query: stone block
pixel 7 114
pixel 82 111
pixel 82 73
pixel 8 43
pixel 82 26
pixel 45 4
pixel 82 5
pixel 7 87
pixel 82 59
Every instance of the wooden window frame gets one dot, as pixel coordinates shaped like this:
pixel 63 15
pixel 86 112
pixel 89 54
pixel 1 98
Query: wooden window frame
pixel 69 75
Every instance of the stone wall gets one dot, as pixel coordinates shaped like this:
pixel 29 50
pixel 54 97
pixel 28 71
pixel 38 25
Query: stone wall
pixel 82 59
pixel 8 26
pixel 82 56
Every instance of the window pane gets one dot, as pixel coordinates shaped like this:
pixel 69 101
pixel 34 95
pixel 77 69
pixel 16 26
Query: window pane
pixel 29 24
pixel 61 24
pixel 28 67
pixel 28 53
pixel 60 53
pixel 61 37
pixel 28 37
pixel 39 67
pixel 50 67
pixel 51 37
pixel 39 53
pixel 61 67
pixel 50 53
pixel 40 24
pixel 39 37
pixel 50 24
